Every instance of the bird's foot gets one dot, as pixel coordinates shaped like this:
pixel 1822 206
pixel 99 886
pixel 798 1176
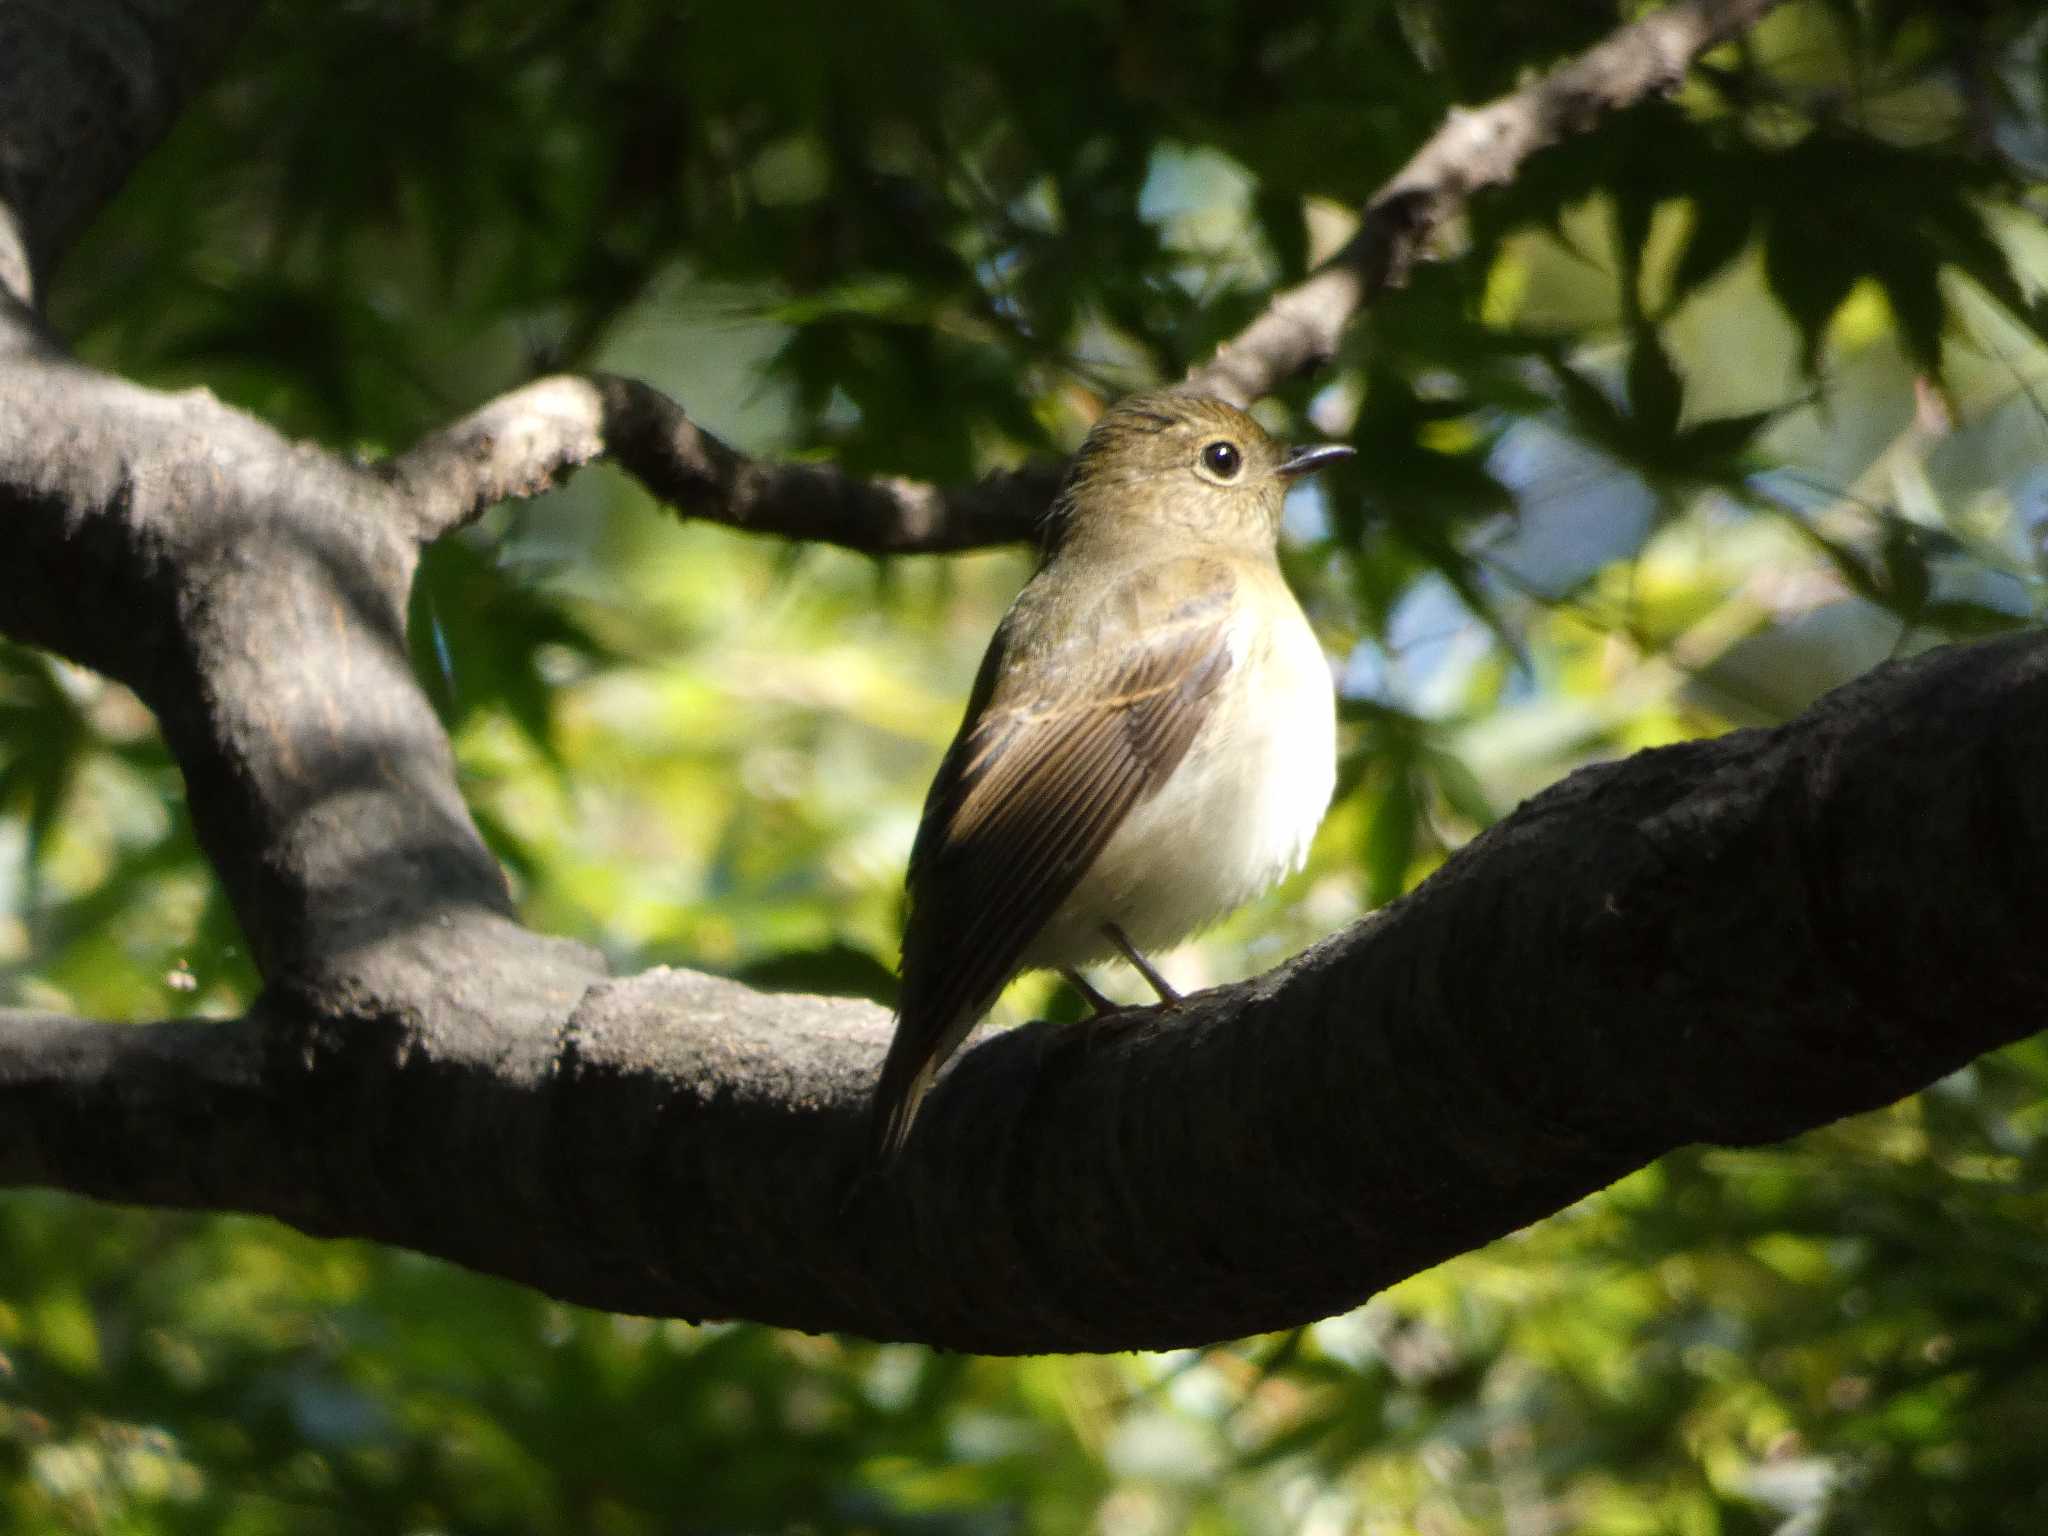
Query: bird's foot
pixel 1080 984
pixel 1144 967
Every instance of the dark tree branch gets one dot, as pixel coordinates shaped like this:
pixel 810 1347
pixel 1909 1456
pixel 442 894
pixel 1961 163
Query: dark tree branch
pixel 253 592
pixel 520 443
pixel 86 88
pixel 1728 941
pixel 1299 331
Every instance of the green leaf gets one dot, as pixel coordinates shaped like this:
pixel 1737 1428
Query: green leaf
pixel 1721 230
pixel 1714 450
pixel 1968 620
pixel 1906 577
pixel 1461 788
pixel 43 742
pixel 1656 395
pixel 1390 839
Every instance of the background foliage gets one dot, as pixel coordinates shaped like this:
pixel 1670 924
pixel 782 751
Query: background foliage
pixel 1715 409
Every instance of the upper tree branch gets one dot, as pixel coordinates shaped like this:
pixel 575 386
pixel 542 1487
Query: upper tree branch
pixel 521 442
pixel 1300 329
pixel 1728 941
pixel 526 440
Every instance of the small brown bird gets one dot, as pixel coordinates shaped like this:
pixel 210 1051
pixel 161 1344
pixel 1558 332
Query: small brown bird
pixel 1150 742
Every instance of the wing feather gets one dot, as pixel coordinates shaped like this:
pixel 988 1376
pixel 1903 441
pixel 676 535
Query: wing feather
pixel 1029 794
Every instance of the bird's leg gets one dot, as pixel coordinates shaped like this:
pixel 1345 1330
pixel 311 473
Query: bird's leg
pixel 1145 967
pixel 1080 984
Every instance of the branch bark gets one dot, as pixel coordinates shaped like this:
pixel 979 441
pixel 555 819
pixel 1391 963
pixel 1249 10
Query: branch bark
pixel 520 443
pixel 1727 941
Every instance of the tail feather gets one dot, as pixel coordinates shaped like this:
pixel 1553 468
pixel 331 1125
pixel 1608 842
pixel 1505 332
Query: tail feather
pixel 924 1041
pixel 895 1105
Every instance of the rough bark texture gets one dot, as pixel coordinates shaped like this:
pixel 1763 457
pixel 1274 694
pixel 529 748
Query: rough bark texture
pixel 1729 941
pixel 519 443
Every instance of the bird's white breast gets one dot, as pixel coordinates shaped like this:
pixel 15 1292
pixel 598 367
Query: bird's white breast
pixel 1237 814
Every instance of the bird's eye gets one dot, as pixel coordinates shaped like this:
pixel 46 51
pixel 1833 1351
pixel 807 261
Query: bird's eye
pixel 1222 459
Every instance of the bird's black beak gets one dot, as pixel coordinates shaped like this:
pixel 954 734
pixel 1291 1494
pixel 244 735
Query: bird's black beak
pixel 1306 461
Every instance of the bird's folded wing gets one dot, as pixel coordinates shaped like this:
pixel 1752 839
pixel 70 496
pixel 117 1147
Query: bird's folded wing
pixel 1035 786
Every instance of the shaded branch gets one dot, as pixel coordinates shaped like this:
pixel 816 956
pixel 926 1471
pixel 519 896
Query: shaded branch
pixel 86 88
pixel 1301 328
pixel 1727 941
pixel 253 592
pixel 522 442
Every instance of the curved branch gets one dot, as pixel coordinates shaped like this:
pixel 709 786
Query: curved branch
pixel 1727 941
pixel 1300 329
pixel 522 442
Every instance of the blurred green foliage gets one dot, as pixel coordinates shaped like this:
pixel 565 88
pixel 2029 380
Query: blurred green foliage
pixel 1714 409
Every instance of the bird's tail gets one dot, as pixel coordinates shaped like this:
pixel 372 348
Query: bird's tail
pixel 904 1082
pixel 927 1035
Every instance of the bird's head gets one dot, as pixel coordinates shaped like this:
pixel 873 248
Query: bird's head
pixel 1180 466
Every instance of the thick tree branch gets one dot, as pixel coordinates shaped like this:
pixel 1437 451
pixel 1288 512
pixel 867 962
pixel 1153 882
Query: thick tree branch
pixel 1728 941
pixel 1299 331
pixel 253 592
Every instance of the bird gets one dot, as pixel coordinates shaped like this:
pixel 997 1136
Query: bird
pixel 1150 741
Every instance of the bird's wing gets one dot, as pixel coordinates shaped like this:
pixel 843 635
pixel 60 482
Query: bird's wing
pixel 1036 782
